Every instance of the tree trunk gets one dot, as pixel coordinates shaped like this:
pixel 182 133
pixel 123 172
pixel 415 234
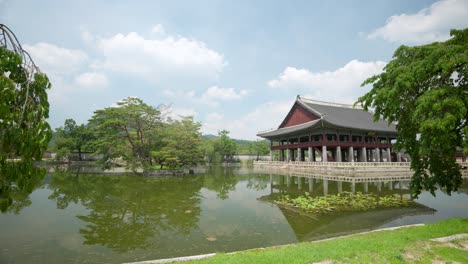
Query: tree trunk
pixel 79 154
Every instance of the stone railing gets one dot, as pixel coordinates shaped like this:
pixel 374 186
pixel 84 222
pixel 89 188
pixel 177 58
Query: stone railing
pixel 332 164
pixel 346 168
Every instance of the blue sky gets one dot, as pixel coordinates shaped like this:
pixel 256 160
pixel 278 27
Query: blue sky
pixel 235 65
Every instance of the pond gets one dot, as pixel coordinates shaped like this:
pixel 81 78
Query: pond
pixel 76 217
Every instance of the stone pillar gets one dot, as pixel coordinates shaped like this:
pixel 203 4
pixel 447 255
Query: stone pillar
pixel 390 185
pixel 366 187
pixel 271 155
pixel 281 155
pixel 389 155
pixel 311 185
pixel 324 154
pixel 325 186
pixel 338 154
pixel 364 154
pixel 299 154
pixel 340 186
pixel 377 155
pixel 310 154
pixel 353 186
pixel 299 183
pixel 288 181
pixel 350 154
pixel 398 156
pixel 288 155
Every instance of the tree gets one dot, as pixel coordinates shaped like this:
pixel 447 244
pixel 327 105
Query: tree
pixel 24 131
pixel 259 147
pixel 181 144
pixel 209 150
pixel 425 90
pixel 130 131
pixel 24 108
pixel 72 137
pixel 226 146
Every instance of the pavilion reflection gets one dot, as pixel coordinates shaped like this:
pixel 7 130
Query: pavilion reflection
pixel 309 227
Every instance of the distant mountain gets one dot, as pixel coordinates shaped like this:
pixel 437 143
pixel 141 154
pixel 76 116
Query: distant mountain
pixel 209 136
pixel 242 144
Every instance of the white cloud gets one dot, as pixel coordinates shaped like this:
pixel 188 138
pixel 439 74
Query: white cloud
pixel 224 94
pixel 341 85
pixel 156 59
pixel 428 25
pixel 92 80
pixel 212 96
pixel 53 59
pixel 264 117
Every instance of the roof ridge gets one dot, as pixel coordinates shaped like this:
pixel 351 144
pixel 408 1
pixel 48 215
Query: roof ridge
pixel 308 100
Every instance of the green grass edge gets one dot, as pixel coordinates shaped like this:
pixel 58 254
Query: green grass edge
pixel 387 246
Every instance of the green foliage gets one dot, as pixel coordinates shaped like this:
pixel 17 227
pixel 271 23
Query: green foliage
pixel 345 201
pixel 226 146
pixel 425 89
pixel 220 149
pixel 182 143
pixel 24 131
pixel 139 134
pixel 72 137
pixel 128 131
pixel 259 148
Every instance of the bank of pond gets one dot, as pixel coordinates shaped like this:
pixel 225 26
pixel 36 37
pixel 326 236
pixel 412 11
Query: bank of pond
pixel 67 214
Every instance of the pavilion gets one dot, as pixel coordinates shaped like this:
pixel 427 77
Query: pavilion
pixel 331 132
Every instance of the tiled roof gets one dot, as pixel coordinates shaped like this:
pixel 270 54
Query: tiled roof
pixel 347 116
pixel 339 115
pixel 288 130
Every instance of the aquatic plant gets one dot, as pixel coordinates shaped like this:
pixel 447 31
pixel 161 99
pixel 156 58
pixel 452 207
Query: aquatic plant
pixel 345 201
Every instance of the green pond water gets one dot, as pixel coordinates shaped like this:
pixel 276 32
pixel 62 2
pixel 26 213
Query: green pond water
pixel 78 217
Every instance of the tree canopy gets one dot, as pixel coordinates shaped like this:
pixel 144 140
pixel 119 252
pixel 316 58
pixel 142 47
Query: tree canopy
pixel 142 136
pixel 424 89
pixel 24 108
pixel 73 137
pixel 24 131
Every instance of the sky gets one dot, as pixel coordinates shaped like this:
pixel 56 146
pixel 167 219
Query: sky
pixel 234 65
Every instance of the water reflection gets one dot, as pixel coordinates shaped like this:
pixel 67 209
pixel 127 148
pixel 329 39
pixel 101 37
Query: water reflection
pixel 223 180
pixel 17 181
pixel 87 217
pixel 124 212
pixel 312 227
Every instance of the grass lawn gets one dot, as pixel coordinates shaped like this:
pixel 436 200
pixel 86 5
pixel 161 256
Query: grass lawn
pixel 406 245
